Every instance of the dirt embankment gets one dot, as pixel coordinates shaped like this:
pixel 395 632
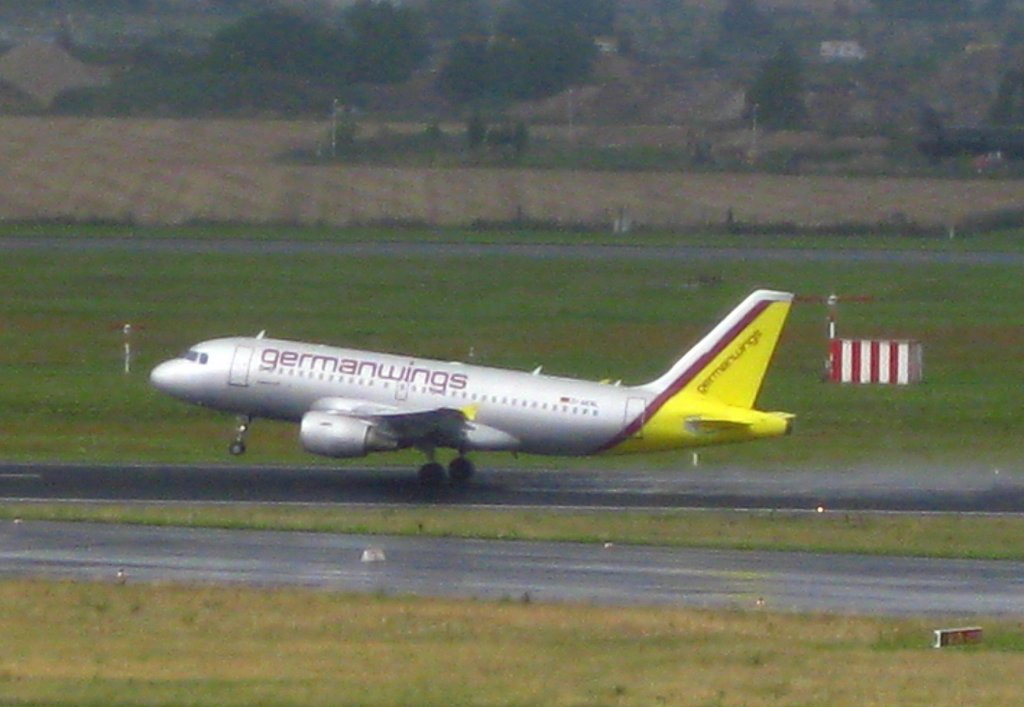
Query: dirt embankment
pixel 180 171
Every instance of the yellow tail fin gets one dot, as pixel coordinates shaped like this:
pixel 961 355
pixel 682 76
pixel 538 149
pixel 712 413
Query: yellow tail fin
pixel 728 365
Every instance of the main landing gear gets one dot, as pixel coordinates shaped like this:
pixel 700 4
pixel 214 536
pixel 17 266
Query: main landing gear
pixel 432 474
pixel 237 446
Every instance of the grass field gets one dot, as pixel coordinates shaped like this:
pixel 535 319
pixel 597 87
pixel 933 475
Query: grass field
pixel 66 397
pixel 171 645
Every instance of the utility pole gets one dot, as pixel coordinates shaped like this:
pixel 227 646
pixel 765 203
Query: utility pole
pixel 334 129
pixel 753 134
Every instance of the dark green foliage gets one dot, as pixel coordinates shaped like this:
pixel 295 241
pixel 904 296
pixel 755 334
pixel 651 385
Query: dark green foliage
pixel 379 43
pixel 509 141
pixel 281 42
pixel 540 50
pixel 1008 107
pixel 924 9
pixel 994 8
pixel 198 92
pixel 468 72
pixel 741 19
pixel 476 131
pixel 450 20
pixel 776 97
pixel 385 42
pixel 523 18
pixel 278 60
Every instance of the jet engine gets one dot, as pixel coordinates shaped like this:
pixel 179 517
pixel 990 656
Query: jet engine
pixel 342 436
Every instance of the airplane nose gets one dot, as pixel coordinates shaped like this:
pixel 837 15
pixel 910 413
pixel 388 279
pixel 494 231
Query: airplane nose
pixel 166 377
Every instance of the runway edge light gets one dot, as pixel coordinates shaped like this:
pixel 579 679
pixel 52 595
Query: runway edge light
pixel 957 636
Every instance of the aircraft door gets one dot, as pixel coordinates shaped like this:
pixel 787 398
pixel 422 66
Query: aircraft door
pixel 239 373
pixel 635 408
pixel 401 391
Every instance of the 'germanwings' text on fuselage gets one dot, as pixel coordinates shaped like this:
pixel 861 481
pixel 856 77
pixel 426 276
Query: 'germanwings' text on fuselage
pixel 349 403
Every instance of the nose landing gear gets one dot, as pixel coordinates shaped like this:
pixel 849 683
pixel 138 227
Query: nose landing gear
pixel 237 446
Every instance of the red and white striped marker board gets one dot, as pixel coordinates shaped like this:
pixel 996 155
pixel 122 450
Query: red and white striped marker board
pixel 884 361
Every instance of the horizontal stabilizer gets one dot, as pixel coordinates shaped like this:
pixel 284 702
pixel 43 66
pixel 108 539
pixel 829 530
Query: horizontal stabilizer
pixel 700 425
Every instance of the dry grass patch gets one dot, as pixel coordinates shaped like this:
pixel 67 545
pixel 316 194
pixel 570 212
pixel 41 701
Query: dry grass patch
pixel 178 171
pixel 68 643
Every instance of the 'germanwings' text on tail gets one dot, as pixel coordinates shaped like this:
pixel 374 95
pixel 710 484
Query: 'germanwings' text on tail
pixel 349 403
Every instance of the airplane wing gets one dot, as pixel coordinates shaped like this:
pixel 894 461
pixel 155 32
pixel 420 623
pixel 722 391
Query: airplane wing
pixel 442 427
pixel 412 427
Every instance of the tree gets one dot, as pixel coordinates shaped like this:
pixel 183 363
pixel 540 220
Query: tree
pixel 590 17
pixel 924 9
pixel 453 20
pixel 476 131
pixel 281 42
pixel 994 8
pixel 776 96
pixel 741 19
pixel 466 75
pixel 386 42
pixel 1008 106
pixel 541 48
pixel 378 43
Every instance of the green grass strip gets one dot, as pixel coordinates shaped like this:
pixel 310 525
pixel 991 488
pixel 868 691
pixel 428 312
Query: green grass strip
pixel 948 536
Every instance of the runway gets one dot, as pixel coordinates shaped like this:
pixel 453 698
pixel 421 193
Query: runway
pixel 590 252
pixel 540 571
pixel 522 571
pixel 890 490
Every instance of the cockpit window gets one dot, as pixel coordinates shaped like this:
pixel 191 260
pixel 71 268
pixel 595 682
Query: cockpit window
pixel 196 357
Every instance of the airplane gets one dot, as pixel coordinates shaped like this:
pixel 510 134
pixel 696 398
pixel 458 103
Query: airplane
pixel 351 403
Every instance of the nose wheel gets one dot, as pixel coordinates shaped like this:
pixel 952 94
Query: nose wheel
pixel 237 446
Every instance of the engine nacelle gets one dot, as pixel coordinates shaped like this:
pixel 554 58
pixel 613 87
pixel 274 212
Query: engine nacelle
pixel 341 436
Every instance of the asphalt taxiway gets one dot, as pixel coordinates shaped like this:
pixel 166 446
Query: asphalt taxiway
pixel 534 571
pixel 589 252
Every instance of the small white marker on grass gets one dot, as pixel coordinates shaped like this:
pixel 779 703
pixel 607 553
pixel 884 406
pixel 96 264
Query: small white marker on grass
pixel 372 554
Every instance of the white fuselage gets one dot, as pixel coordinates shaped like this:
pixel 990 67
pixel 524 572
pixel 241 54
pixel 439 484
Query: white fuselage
pixel 278 379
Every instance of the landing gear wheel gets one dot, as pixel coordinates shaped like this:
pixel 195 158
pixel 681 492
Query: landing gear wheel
pixel 431 475
pixel 460 471
pixel 238 445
